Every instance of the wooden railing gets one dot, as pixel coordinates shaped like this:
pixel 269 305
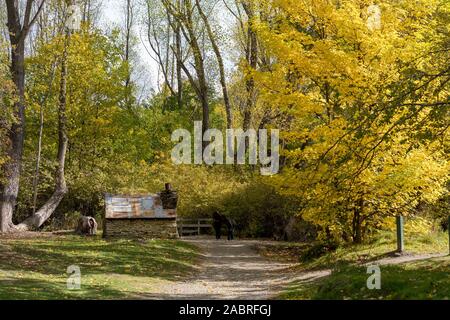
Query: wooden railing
pixel 191 227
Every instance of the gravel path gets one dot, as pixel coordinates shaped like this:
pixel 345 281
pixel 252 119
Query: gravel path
pixel 233 270
pixel 406 258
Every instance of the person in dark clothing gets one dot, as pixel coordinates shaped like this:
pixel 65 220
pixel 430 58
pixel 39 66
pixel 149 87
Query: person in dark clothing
pixel 217 224
pixel 230 228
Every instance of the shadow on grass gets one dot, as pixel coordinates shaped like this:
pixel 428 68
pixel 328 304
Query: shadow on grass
pixel 164 259
pixel 28 288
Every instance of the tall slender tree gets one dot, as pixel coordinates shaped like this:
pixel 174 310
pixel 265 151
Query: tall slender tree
pixel 184 15
pixel 39 217
pixel 223 81
pixel 11 187
pixel 18 27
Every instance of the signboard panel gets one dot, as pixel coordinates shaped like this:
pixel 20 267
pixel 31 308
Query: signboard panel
pixel 136 207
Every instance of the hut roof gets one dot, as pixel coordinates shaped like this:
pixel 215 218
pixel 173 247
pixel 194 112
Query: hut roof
pixel 147 206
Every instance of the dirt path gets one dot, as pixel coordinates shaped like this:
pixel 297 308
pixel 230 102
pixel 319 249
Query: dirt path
pixel 233 270
pixel 405 258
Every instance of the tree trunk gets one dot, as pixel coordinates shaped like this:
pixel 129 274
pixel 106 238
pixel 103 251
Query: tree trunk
pixel 37 219
pixel 38 157
pixel 41 131
pixel 16 134
pixel 17 35
pixel 220 63
pixel 252 60
pixel 184 16
pixel 357 222
pixel 178 54
pixel 128 27
pixel 199 65
pixel 158 49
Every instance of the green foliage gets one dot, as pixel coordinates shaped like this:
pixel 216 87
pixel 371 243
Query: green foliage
pixel 363 116
pixel 121 150
pixel 253 203
pixel 99 129
pixel 258 209
pixel 111 148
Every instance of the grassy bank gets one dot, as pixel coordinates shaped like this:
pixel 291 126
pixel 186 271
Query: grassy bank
pixel 37 268
pixel 427 278
pixel 312 256
pixel 382 245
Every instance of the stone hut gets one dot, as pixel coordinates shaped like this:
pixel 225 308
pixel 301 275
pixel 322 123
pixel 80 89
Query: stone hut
pixel 141 216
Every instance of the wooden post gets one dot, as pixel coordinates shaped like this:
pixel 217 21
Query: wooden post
pixel 400 234
pixel 198 228
pixel 448 229
pixel 181 228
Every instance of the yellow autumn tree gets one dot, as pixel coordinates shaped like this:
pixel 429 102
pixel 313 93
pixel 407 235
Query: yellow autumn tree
pixel 366 94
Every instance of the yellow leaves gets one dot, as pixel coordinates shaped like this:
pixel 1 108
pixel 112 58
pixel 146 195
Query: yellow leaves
pixel 400 182
pixel 412 225
pixel 101 122
pixel 300 135
pixel 333 74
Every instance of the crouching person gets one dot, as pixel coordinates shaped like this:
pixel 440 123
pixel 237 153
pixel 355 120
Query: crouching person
pixel 86 226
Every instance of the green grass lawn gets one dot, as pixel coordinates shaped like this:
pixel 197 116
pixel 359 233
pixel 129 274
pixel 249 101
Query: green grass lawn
pixel 37 268
pixel 424 279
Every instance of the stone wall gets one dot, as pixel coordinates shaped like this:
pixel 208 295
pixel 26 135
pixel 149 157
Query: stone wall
pixel 140 228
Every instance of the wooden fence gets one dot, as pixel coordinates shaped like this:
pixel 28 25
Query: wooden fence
pixel 193 227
